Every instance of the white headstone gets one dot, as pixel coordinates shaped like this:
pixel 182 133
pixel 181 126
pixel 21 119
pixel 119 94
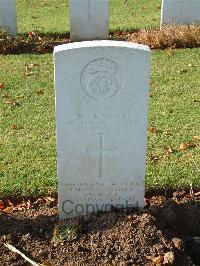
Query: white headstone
pixel 89 20
pixel 101 111
pixel 8 15
pixel 180 11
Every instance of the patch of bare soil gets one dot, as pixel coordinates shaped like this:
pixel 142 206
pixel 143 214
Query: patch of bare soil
pixel 166 232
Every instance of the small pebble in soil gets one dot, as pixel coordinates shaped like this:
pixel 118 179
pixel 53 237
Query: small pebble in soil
pixel 42 253
pixel 168 258
pixel 178 243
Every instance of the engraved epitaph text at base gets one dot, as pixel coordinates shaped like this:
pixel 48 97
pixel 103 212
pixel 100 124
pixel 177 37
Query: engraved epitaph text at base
pixel 101 115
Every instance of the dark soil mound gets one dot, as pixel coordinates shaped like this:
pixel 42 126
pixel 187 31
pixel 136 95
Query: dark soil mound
pixel 166 232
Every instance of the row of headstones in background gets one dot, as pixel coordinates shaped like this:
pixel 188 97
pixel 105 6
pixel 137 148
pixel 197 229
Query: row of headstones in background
pixel 180 11
pixel 8 17
pixel 89 19
pixel 102 92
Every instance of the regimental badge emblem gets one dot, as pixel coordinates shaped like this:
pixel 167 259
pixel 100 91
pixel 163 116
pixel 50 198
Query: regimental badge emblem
pixel 101 79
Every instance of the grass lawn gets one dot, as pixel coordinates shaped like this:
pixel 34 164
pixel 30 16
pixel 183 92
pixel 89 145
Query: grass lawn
pixel 28 148
pixel 49 16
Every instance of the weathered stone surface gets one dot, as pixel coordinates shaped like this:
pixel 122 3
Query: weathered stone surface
pixel 101 108
pixel 180 11
pixel 89 20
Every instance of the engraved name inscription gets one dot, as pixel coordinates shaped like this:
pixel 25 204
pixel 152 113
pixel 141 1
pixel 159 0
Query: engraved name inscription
pixel 101 121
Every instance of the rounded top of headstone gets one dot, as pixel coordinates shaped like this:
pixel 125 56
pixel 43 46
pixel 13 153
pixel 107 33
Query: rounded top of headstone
pixel 103 43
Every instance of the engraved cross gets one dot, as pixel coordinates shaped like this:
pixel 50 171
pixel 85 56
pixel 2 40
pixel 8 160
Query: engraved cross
pixel 101 150
pixel 89 7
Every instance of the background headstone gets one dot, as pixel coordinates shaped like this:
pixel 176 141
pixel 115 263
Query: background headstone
pixel 89 20
pixel 180 11
pixel 101 108
pixel 8 15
